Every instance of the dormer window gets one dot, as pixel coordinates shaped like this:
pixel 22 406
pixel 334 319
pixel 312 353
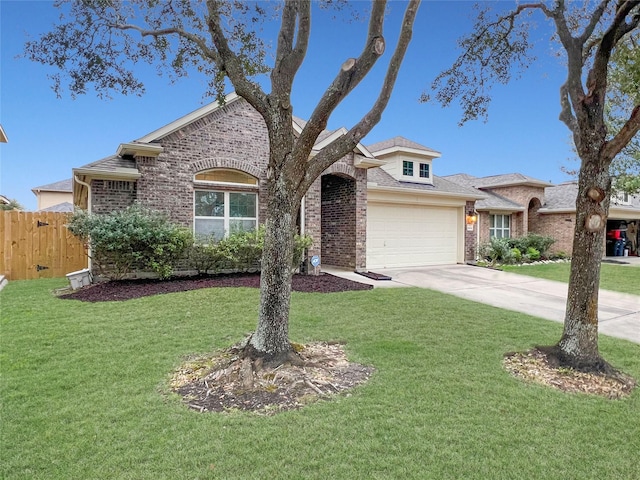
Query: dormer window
pixel 407 168
pixel 414 171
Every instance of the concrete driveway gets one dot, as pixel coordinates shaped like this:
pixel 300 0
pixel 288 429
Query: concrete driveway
pixel 619 314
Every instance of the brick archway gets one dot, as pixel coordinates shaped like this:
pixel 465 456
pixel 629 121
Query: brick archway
pixel 533 222
pixel 338 220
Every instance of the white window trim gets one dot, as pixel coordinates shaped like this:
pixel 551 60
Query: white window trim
pixel 416 172
pixel 492 230
pixel 227 217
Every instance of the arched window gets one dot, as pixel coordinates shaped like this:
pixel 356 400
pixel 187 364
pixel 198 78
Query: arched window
pixel 225 202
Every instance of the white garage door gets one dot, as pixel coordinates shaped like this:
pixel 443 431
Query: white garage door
pixel 411 235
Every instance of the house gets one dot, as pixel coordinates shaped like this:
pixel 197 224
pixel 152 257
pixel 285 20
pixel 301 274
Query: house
pixel 55 197
pixel 516 204
pixel 380 206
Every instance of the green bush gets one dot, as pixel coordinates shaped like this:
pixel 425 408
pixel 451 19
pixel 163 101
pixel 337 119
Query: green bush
pixel 540 243
pixel 240 252
pixel 136 237
pixel 533 254
pixel 529 248
pixel 498 250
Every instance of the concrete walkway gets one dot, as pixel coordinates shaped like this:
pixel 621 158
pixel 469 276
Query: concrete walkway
pixel 619 313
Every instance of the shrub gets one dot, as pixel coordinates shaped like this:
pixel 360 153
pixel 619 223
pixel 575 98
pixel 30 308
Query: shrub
pixel 241 252
pixel 135 237
pixel 497 250
pixel 540 243
pixel 516 255
pixel 533 254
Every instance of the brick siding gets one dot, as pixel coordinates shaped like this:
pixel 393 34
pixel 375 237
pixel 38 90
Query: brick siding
pixel 234 136
pixel 470 236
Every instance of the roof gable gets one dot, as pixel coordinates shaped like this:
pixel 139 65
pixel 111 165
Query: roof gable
pixel 61 186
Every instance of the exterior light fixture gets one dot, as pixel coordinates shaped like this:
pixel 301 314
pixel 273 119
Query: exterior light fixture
pixel 472 217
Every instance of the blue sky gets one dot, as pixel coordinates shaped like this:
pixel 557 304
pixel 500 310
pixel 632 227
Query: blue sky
pixel 49 136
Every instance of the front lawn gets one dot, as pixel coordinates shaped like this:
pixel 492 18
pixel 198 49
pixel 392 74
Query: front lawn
pixel 82 391
pixel 619 278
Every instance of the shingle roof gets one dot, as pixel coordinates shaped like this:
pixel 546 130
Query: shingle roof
pixel 492 201
pixel 509 179
pixel 440 185
pixel 61 186
pixel 110 163
pixel 60 207
pixel 400 142
pixel 561 197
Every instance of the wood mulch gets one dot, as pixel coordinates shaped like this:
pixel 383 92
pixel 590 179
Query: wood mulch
pixel 129 289
pixel 535 366
pixel 225 381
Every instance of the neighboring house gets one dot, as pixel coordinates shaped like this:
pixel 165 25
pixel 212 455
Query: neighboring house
pixel 517 204
pixel 379 206
pixel 55 197
pixel 3 136
pixel 4 200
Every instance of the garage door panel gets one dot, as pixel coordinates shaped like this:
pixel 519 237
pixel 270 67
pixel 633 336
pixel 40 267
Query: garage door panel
pixel 411 235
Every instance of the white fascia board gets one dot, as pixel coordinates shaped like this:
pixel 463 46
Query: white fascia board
pixel 412 151
pixel 374 187
pixel 187 119
pixel 501 211
pixel 139 149
pixel 557 210
pixel 119 173
pixel 365 162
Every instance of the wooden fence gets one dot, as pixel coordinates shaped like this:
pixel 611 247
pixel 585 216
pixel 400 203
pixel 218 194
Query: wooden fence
pixel 38 245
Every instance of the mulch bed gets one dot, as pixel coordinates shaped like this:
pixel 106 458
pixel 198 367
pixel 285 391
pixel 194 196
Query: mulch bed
pixel 129 289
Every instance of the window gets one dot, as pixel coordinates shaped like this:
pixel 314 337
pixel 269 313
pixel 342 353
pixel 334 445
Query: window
pixel 221 175
pixel 622 198
pixel 499 226
pixel 222 213
pixel 424 170
pixel 407 168
pixel 225 211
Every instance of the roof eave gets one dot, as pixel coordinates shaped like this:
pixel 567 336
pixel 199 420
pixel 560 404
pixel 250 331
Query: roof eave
pixel 414 191
pixel 187 119
pixel 118 173
pixel 139 149
pixel 431 154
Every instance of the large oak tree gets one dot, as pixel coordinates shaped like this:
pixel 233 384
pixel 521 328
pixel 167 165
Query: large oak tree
pixel 97 44
pixel 589 33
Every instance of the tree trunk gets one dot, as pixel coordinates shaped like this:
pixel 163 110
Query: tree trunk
pixel 578 346
pixel 271 338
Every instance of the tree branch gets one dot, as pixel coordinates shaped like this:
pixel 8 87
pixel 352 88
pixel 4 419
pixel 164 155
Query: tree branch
pixel 202 45
pixel 566 113
pixel 231 63
pixel 624 135
pixel 351 73
pixel 345 144
pixel 290 57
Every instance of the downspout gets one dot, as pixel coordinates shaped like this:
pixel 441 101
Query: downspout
pixel 75 177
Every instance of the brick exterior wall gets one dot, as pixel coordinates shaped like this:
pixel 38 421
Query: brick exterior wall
pixel 338 221
pixel 470 236
pixel 559 226
pixel 109 195
pixel 233 136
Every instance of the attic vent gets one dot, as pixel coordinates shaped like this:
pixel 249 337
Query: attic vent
pixel 119 186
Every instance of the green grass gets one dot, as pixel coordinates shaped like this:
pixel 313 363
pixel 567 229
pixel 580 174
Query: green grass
pixel 81 393
pixel 618 278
